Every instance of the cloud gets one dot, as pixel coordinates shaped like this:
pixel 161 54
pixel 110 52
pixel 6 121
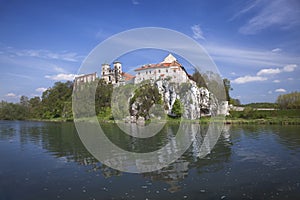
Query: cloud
pixel 276 50
pixel 59 69
pixel 41 89
pixel 61 77
pixel 248 57
pixel 280 90
pixel 270 92
pixel 247 79
pixel 135 2
pixel 271 71
pixel 268 71
pixel 290 79
pixel 289 68
pixel 276 81
pixel 44 54
pixel 12 95
pixel 279 13
pixel 197 32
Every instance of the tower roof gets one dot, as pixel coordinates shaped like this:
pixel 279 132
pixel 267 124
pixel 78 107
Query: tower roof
pixel 169 59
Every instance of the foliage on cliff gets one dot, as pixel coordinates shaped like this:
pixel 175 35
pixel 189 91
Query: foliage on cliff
pixel 144 98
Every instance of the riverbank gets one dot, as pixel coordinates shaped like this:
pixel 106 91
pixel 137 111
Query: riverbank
pixel 270 117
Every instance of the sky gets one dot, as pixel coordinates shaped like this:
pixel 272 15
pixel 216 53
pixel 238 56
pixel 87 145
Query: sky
pixel 255 44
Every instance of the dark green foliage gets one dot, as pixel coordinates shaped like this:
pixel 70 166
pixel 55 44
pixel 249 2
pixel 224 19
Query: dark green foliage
pixel 251 113
pixel 11 111
pixel 235 102
pixel 228 87
pixel 177 108
pixel 144 98
pixel 198 78
pixel 289 101
pixel 55 100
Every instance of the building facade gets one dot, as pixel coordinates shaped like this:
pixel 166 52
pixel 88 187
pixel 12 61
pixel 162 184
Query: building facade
pixel 169 69
pixel 112 75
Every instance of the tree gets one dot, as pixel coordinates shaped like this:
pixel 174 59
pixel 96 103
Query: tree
pixel 177 108
pixel 228 87
pixel 198 78
pixel 54 99
pixel 289 101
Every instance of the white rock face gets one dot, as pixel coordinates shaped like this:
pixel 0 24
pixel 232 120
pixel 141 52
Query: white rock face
pixel 196 102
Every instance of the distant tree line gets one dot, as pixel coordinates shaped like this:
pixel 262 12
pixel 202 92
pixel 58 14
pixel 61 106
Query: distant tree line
pixel 289 101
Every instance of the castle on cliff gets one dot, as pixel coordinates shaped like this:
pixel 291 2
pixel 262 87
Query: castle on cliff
pixel 169 69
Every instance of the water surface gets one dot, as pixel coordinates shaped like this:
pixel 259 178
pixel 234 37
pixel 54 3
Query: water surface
pixel 42 160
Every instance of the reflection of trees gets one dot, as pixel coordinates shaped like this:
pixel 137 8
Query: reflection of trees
pixel 61 140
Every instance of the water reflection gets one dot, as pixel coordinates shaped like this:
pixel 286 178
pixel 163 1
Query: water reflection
pixel 248 160
pixel 62 141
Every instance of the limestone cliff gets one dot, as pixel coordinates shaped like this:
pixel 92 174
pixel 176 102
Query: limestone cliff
pixel 196 102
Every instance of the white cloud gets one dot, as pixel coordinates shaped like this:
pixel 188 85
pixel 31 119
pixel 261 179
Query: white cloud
pixel 279 13
pixel 248 57
pixel 276 50
pixel 13 95
pixel 280 90
pixel 61 77
pixel 197 32
pixel 290 79
pixel 270 92
pixel 41 89
pixel 135 2
pixel 289 68
pixel 44 54
pixel 268 71
pixel 59 69
pixel 247 79
pixel 276 81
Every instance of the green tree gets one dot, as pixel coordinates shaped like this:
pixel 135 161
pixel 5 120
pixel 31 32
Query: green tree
pixel 177 108
pixel 55 98
pixel 198 78
pixel 228 88
pixel 289 101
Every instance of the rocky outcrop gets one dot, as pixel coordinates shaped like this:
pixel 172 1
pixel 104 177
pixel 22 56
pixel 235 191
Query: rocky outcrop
pixel 196 102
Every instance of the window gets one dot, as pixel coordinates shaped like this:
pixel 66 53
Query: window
pixel 146 72
pixel 159 71
pixel 166 70
pixel 174 70
pixel 139 73
pixel 150 72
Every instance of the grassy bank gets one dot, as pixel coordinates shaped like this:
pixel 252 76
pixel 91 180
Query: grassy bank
pixel 248 116
pixel 252 116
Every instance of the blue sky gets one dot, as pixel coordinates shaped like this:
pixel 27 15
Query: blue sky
pixel 255 44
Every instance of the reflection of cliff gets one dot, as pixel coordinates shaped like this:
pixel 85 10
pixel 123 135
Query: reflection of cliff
pixel 62 141
pixel 179 170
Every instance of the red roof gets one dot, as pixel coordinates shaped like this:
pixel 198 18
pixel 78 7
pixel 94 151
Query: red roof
pixel 127 77
pixel 159 65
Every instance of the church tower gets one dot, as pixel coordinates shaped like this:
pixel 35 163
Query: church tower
pixel 118 71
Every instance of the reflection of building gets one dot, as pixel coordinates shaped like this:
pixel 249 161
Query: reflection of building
pixel 169 69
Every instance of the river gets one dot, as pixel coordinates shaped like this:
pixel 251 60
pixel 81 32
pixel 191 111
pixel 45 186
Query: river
pixel 43 160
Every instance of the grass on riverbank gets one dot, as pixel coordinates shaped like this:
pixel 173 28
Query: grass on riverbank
pixel 252 116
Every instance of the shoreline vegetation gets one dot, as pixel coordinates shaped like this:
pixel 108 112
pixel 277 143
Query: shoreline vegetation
pixel 255 117
pixel 55 105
